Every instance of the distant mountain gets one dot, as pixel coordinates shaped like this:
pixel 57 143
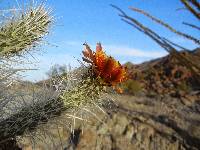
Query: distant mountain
pixel 167 74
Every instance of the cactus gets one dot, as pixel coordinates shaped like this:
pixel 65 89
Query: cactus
pixel 71 96
pixel 23 115
pixel 19 34
pixel 24 30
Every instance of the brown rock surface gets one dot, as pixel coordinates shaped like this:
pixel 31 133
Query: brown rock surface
pixel 141 123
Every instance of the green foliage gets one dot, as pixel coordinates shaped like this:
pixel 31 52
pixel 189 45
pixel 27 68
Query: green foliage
pixel 57 70
pixel 183 86
pixel 132 86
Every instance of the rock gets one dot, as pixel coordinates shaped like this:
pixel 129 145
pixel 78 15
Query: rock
pixel 104 143
pixel 194 130
pixel 136 125
pixel 120 123
pixel 103 130
pixel 87 140
pixel 139 137
pixel 129 132
pixel 186 102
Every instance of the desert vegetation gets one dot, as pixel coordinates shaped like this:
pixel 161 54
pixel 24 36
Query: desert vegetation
pixel 102 104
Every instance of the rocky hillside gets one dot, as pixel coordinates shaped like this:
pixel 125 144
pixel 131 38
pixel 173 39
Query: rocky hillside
pixel 167 75
pixel 142 123
pixel 168 119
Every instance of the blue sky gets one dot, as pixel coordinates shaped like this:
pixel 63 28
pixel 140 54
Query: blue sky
pixel 92 21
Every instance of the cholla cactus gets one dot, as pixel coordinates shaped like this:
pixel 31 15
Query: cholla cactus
pixel 21 32
pixel 85 88
pixel 18 34
pixel 24 30
pixel 72 96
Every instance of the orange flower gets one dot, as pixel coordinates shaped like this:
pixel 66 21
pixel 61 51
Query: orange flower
pixel 106 67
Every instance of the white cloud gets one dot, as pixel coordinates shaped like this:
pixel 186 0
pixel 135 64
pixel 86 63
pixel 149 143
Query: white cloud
pixel 132 52
pixel 120 50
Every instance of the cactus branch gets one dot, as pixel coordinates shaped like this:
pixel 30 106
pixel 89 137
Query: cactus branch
pixel 24 30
